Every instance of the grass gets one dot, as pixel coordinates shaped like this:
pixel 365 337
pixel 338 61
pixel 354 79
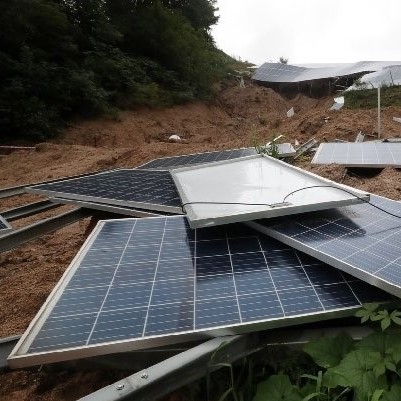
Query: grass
pixel 367 98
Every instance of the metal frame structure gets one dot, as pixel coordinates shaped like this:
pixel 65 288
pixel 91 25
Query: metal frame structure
pixel 265 211
pixel 28 210
pixel 6 224
pixel 17 237
pixel 304 148
pixel 103 207
pixel 158 380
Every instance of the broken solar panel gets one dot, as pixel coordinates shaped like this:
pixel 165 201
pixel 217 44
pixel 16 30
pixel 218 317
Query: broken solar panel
pixel 255 187
pixel 4 225
pixel 360 239
pixel 166 163
pixel 143 189
pixel 365 154
pixel 140 283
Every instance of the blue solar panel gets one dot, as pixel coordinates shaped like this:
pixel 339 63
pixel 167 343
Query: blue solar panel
pixel 166 163
pixel 139 283
pixel 363 154
pixel 360 240
pixel 149 190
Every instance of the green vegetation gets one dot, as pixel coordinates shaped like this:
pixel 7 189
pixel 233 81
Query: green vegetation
pixel 66 58
pixel 367 98
pixel 327 369
pixel 269 150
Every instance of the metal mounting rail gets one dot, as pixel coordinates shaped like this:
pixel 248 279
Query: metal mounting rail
pixel 107 208
pixel 164 377
pixel 14 238
pixel 6 346
pixel 304 148
pixel 28 210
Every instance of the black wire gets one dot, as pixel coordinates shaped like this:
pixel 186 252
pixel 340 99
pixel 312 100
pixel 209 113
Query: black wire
pixel 348 192
pixel 289 194
pixel 223 203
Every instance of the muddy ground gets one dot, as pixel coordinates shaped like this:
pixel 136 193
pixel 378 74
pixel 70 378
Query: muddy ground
pixel 234 119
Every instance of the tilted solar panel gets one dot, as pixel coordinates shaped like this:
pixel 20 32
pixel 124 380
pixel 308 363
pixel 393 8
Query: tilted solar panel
pixel 149 190
pixel 139 283
pixel 363 154
pixel 166 163
pixel 360 239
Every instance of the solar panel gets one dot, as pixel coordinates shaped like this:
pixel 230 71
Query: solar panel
pixel 139 283
pixel 4 225
pixel 149 190
pixel 365 154
pixel 166 163
pixel 255 187
pixel 359 239
pixel 278 72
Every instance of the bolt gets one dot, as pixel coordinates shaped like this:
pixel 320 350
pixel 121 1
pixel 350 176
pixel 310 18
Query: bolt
pixel 119 387
pixel 144 375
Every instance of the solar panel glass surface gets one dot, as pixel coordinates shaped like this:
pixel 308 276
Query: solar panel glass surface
pixel 166 163
pixel 359 239
pixel 150 190
pixel 363 154
pixel 139 283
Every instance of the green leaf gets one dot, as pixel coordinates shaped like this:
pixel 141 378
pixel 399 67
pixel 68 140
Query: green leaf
pixel 385 323
pixel 277 388
pixel 376 395
pixel 356 371
pixel 394 394
pixel 328 352
pixel 311 396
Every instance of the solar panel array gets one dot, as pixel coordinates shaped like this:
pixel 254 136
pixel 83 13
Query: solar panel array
pixel 166 163
pixel 359 239
pixel 139 280
pixel 278 72
pixel 365 154
pixel 152 190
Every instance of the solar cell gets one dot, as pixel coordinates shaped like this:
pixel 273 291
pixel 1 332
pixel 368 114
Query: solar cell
pixel 143 189
pixel 360 240
pixel 362 154
pixel 255 187
pixel 139 283
pixel 166 163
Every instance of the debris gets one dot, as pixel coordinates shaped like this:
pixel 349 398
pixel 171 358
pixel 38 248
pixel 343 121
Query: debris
pixel 174 138
pixel 291 112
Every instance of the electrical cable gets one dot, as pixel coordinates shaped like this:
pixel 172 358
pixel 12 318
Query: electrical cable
pixel 285 198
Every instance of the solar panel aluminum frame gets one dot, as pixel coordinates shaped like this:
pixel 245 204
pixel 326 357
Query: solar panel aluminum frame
pixel 6 224
pixel 104 207
pixel 196 221
pixel 106 201
pixel 19 359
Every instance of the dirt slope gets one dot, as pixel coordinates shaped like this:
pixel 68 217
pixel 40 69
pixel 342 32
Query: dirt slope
pixel 28 273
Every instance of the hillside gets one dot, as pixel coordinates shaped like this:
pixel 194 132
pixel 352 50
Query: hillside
pixel 232 120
